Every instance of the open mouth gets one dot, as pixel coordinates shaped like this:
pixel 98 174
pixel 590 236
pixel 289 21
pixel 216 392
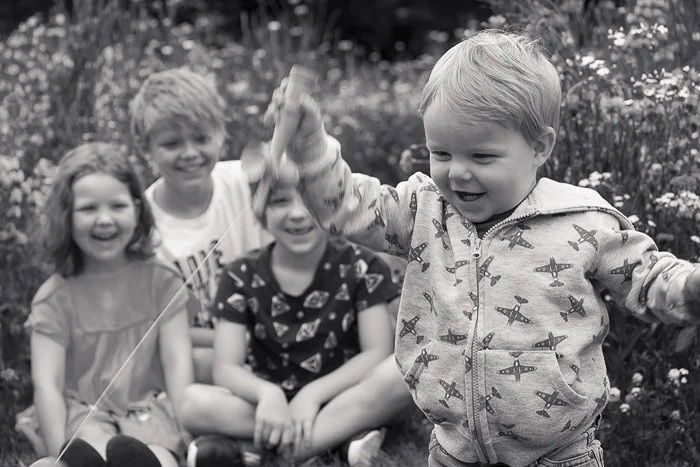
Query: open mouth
pixel 190 167
pixel 105 236
pixel 469 196
pixel 300 230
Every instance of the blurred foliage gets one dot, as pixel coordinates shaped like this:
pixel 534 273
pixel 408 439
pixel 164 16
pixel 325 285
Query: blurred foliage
pixel 630 129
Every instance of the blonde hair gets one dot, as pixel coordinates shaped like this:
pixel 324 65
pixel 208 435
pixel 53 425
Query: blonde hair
pixel 497 76
pixel 177 93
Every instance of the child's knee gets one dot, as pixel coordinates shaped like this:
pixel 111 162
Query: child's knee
pixel 194 402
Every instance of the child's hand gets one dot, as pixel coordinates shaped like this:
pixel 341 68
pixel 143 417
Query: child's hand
pixel 304 408
pixel 272 418
pixel 310 120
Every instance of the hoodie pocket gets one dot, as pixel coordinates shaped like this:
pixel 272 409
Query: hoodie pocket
pixel 436 380
pixel 524 397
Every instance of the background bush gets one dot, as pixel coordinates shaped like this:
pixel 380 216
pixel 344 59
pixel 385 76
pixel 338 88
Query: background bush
pixel 630 129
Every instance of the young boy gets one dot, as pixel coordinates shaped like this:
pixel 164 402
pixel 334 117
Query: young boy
pixel 201 205
pixel 315 310
pixel 501 324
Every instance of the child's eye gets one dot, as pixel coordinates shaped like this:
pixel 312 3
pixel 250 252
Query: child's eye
pixel 201 139
pixel 479 155
pixel 169 144
pixel 441 155
pixel 278 201
pixel 84 208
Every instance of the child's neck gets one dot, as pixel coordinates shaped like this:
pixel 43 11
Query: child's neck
pixel 295 272
pixel 185 202
pixel 94 268
pixel 284 258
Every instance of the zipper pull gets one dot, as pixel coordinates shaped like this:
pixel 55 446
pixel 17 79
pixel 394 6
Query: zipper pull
pixel 476 254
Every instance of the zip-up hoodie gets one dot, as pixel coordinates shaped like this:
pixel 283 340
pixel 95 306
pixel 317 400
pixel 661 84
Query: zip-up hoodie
pixel 500 339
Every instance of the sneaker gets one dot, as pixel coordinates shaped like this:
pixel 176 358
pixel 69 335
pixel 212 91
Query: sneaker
pixel 81 454
pixel 125 451
pixel 214 451
pixel 364 448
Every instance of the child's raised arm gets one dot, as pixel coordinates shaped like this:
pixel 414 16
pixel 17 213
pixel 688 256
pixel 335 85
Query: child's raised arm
pixel 48 372
pixel 355 205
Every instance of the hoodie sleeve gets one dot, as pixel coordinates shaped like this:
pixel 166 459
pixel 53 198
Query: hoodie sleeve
pixel 648 282
pixel 355 205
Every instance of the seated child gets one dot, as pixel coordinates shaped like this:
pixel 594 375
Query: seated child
pixel 315 309
pixel 200 204
pixel 107 298
pixel 501 322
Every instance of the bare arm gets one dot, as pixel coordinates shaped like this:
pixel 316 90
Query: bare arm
pixel 176 358
pixel 272 410
pixel 229 357
pixel 375 343
pixel 48 376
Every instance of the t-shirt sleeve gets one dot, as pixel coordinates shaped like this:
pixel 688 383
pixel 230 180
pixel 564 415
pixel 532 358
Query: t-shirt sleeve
pixel 376 286
pixel 171 295
pixel 49 319
pixel 231 302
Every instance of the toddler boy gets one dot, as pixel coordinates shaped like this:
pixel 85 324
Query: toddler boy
pixel 501 323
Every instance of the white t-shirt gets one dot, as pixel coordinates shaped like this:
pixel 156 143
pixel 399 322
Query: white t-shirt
pixel 186 243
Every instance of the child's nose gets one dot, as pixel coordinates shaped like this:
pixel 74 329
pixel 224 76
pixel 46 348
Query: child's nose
pixel 298 209
pixel 460 171
pixel 191 149
pixel 104 217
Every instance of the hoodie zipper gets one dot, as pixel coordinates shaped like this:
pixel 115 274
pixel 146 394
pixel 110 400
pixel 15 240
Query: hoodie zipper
pixel 476 395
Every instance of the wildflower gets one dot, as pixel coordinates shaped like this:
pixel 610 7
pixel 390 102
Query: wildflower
pixel 605 71
pixel 496 21
pixel 675 415
pixel 633 218
pixel 624 408
pixel 274 26
pixel 301 10
pixel 635 392
pixel 8 374
pixel 637 378
pixel 614 395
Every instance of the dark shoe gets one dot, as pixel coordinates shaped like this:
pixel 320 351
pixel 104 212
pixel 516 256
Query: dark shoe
pixel 125 451
pixel 81 454
pixel 214 451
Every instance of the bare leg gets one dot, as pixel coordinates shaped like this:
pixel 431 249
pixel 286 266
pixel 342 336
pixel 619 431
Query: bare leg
pixel 164 456
pixel 213 409
pixel 203 358
pixel 371 403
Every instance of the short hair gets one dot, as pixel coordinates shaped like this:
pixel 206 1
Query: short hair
pixel 56 237
pixel 497 76
pixel 177 93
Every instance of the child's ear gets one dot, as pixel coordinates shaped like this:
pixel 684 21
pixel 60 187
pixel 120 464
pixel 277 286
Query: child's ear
pixel 544 145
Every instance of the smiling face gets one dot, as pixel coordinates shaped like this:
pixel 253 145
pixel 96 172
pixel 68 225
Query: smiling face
pixel 288 220
pixel 482 169
pixel 184 154
pixel 104 219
